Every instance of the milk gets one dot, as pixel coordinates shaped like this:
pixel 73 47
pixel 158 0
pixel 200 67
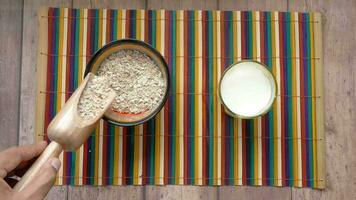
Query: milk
pixel 247 90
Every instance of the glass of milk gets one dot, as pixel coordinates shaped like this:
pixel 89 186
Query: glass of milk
pixel 247 89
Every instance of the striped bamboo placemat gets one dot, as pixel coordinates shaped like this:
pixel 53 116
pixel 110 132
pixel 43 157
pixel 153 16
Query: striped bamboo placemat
pixel 192 141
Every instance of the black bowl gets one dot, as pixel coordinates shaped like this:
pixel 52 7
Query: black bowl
pixel 123 119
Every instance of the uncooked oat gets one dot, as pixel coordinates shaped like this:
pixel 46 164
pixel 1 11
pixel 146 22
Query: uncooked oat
pixel 94 97
pixel 136 78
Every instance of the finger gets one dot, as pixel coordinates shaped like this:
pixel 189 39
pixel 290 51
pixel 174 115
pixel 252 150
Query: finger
pixel 40 186
pixel 12 157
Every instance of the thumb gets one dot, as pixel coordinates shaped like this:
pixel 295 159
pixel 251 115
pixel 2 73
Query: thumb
pixel 39 187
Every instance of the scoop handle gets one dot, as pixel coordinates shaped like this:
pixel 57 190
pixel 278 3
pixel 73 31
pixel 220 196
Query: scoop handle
pixel 52 150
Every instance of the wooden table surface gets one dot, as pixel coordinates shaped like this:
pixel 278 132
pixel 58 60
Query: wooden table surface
pixel 18 40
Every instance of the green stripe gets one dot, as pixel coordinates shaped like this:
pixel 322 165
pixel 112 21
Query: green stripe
pixel 309 105
pixel 174 88
pixel 154 20
pixel 114 27
pixel 271 114
pixel 210 66
pixel 230 120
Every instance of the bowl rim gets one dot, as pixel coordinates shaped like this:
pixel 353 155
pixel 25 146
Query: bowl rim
pixel 100 51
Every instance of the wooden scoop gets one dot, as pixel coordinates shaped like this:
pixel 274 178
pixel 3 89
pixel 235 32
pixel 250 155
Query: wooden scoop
pixel 67 131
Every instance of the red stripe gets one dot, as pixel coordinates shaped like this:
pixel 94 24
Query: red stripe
pixel 68 58
pixel 283 133
pixel 204 90
pixel 146 26
pixel 167 49
pixel 243 37
pixel 223 121
pixel 302 103
pixel 105 153
pixel 108 26
pixel 185 100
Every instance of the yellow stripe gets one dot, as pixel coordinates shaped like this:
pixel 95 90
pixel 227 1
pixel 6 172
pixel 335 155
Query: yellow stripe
pixel 218 110
pixel 100 29
pixel 215 99
pixel 138 24
pixel 160 39
pixel 312 51
pixel 96 163
pixel 181 97
pixel 58 106
pixel 298 117
pixel 136 158
pixel 100 153
pixel 119 24
pixel 259 120
pixel 198 98
pixel 294 102
pixel 276 114
pixel 60 59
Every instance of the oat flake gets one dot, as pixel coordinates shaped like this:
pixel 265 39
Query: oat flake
pixel 136 78
pixel 94 97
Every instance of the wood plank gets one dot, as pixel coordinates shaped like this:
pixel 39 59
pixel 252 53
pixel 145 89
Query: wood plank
pixel 171 192
pixel 199 4
pixel 10 67
pixel 28 80
pixel 252 193
pixel 339 97
pixel 164 4
pixel 200 192
pixel 107 192
pixel 28 66
pixel 125 4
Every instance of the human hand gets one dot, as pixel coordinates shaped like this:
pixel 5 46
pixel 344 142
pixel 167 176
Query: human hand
pixel 15 161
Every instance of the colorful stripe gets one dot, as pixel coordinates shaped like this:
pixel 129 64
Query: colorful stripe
pixel 192 141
